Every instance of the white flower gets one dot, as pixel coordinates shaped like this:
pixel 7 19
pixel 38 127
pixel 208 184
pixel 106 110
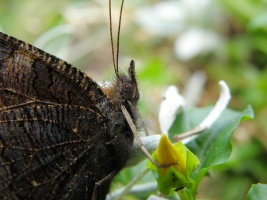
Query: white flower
pixel 150 143
pixel 194 42
pixel 171 105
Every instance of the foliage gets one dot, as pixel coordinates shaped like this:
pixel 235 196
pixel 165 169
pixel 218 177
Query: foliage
pixel 257 191
pixel 212 147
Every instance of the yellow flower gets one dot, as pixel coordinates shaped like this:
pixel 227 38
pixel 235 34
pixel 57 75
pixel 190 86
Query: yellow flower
pixel 176 176
pixel 167 153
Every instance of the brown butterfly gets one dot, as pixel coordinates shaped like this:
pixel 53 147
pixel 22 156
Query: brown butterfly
pixel 62 136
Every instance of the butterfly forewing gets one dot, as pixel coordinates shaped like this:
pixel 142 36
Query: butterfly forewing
pixel 31 74
pixel 56 138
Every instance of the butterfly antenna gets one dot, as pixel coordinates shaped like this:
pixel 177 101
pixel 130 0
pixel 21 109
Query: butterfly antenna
pixel 118 37
pixel 112 43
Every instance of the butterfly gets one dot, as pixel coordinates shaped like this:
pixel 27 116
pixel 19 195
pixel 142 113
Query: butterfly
pixel 62 136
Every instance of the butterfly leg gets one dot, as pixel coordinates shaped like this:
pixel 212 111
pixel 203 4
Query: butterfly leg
pixel 102 186
pixel 133 128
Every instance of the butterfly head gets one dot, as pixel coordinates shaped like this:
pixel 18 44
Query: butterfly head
pixel 124 89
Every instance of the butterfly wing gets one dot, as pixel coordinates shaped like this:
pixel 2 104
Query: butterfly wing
pixel 30 75
pixel 55 134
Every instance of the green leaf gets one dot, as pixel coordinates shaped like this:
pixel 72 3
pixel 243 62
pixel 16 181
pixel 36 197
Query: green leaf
pixel 154 72
pixel 257 192
pixel 213 146
pixel 244 10
pixel 259 22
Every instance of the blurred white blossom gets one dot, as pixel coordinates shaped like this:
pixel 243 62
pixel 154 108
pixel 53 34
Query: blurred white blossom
pixel 194 42
pixel 188 20
pixel 163 19
pixel 194 87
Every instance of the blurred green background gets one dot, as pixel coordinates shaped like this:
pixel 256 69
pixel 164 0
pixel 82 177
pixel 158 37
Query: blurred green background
pixel 169 40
